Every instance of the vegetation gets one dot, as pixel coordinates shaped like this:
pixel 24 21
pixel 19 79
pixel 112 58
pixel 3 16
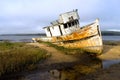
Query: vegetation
pixel 18 56
pixel 113 43
pixel 70 51
pixel 65 50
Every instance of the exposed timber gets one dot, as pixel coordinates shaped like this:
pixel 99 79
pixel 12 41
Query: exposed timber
pixel 70 34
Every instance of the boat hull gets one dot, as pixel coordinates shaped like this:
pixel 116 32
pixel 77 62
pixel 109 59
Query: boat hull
pixel 88 38
pixel 92 45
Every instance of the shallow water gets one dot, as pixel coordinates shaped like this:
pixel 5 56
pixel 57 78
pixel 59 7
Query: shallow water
pixel 29 38
pixel 108 63
pixel 18 38
pixel 64 71
pixel 113 38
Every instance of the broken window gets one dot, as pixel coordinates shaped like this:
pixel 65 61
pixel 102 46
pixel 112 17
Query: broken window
pixel 69 24
pixel 65 25
pixel 76 22
pixel 48 29
pixel 73 23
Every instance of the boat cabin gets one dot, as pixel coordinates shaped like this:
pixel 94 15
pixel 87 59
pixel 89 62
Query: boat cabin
pixel 66 24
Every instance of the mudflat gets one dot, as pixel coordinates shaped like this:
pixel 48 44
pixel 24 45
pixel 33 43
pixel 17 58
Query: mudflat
pixel 111 51
pixel 73 67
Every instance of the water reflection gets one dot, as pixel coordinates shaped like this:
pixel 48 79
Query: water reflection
pixel 73 71
pixel 68 73
pixel 108 63
pixel 76 72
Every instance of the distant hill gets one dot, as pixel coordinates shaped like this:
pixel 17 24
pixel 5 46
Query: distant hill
pixel 37 34
pixel 113 33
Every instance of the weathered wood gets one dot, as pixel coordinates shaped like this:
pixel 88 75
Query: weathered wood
pixel 88 37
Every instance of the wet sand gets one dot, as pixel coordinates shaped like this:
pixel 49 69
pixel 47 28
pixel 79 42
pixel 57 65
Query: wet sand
pixel 56 56
pixel 110 52
pixel 111 73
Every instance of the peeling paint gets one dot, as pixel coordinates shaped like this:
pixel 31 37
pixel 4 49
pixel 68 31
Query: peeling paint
pixel 66 32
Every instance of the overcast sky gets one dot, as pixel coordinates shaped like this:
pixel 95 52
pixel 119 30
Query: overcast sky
pixel 30 16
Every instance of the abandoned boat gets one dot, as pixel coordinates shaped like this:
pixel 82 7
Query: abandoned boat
pixel 66 32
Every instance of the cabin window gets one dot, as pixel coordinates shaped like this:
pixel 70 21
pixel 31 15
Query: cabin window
pixel 69 24
pixel 48 29
pixel 77 22
pixel 73 23
pixel 65 25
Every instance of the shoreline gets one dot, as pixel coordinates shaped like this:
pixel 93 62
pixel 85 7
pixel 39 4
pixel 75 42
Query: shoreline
pixel 111 52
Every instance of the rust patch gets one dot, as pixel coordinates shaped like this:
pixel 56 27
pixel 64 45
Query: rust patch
pixel 82 33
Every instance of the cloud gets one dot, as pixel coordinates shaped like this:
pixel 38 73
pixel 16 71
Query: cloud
pixel 32 15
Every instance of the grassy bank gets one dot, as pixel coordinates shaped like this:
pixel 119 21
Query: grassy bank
pixel 112 43
pixel 18 56
pixel 65 50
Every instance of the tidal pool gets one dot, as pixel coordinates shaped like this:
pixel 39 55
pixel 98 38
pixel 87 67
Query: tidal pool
pixel 63 71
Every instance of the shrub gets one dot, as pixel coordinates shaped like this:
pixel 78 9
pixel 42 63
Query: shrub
pixel 18 56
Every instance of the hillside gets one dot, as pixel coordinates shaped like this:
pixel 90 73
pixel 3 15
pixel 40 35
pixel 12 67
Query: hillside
pixel 113 33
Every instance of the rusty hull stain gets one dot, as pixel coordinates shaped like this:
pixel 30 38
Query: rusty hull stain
pixel 87 38
pixel 82 33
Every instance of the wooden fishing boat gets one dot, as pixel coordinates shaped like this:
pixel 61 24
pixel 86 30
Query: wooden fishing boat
pixel 88 38
pixel 66 32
